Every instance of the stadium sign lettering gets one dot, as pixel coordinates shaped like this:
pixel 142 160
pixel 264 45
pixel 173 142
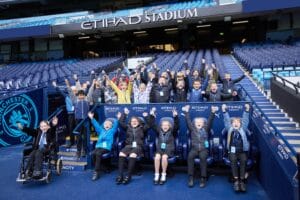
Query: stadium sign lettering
pixel 139 19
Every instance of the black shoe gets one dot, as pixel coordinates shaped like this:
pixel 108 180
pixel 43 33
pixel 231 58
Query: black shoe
pixel 28 174
pixel 37 174
pixel 95 176
pixel 69 145
pixel 126 180
pixel 236 186
pixel 119 180
pixel 202 182
pixel 243 187
pixel 191 181
pixel 155 182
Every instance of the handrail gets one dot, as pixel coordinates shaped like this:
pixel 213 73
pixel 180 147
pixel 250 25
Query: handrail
pixel 56 112
pixel 277 132
pixel 75 130
pixel 297 87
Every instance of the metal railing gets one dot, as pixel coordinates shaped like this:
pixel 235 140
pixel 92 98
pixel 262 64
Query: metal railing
pixel 284 81
pixel 275 131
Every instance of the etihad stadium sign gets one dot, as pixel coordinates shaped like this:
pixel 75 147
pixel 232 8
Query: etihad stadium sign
pixel 140 19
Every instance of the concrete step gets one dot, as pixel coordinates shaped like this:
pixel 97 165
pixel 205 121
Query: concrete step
pixel 279 119
pixel 275 114
pixel 285 124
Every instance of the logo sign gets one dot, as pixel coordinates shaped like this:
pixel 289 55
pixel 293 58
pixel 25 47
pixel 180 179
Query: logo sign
pixel 13 111
pixel 139 19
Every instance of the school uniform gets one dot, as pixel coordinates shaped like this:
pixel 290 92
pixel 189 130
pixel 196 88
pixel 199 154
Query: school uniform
pixel 134 143
pixel 237 144
pixel 199 144
pixel 43 142
pixel 166 140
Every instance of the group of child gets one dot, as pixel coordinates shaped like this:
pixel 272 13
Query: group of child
pixel 144 86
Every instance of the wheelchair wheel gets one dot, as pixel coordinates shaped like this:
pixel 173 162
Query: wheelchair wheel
pixel 58 167
pixel 48 178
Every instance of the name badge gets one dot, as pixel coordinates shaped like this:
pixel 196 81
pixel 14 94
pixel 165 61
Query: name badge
pixel 72 108
pixel 134 144
pixel 104 144
pixel 99 99
pixel 161 93
pixel 232 150
pixel 206 144
pixel 163 146
pixel 229 91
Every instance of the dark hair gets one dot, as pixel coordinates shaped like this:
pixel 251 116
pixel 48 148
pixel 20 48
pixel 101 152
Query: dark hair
pixel 197 80
pixel 80 92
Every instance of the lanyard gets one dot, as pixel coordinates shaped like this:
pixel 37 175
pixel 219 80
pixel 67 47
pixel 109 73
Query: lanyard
pixel 201 134
pixel 165 137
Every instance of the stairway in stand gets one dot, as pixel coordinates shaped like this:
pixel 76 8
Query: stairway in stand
pixel 69 158
pixel 288 128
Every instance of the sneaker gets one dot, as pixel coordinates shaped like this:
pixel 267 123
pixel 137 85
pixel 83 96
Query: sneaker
pixel 95 176
pixel 126 180
pixel 191 181
pixel 236 186
pixel 202 182
pixel 119 180
pixel 243 186
pixel 163 179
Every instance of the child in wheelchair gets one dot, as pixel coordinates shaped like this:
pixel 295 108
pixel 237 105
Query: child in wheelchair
pixel 43 144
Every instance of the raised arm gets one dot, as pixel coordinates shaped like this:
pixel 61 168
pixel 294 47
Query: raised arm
pixel 187 117
pixel 238 79
pixel 245 119
pixel 226 117
pixel 210 120
pixel 176 125
pixel 122 118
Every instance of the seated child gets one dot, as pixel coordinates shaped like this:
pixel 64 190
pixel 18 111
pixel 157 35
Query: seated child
pixel 237 145
pixel 200 134
pixel 165 147
pixel 106 133
pixel 44 139
pixel 134 142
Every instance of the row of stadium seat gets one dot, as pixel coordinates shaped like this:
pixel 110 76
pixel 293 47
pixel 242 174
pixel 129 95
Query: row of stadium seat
pixel 15 76
pixel 268 55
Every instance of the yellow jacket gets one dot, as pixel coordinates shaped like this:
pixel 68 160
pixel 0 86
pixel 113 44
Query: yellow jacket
pixel 123 96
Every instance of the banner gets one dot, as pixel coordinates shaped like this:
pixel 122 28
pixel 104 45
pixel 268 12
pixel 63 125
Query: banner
pixel 27 109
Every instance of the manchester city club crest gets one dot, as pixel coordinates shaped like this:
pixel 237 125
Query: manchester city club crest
pixel 18 109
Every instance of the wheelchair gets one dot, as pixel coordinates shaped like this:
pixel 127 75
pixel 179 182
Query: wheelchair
pixel 51 162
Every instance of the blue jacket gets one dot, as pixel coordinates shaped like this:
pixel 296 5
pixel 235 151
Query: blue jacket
pixel 69 104
pixel 81 109
pixel 105 136
pixel 242 130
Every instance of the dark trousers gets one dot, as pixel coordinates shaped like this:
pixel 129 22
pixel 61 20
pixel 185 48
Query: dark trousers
pixel 203 163
pixel 97 154
pixel 71 126
pixel 82 137
pixel 35 160
pixel 235 168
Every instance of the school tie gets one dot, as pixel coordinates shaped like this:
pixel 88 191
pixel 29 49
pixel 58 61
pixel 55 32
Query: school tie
pixel 42 141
